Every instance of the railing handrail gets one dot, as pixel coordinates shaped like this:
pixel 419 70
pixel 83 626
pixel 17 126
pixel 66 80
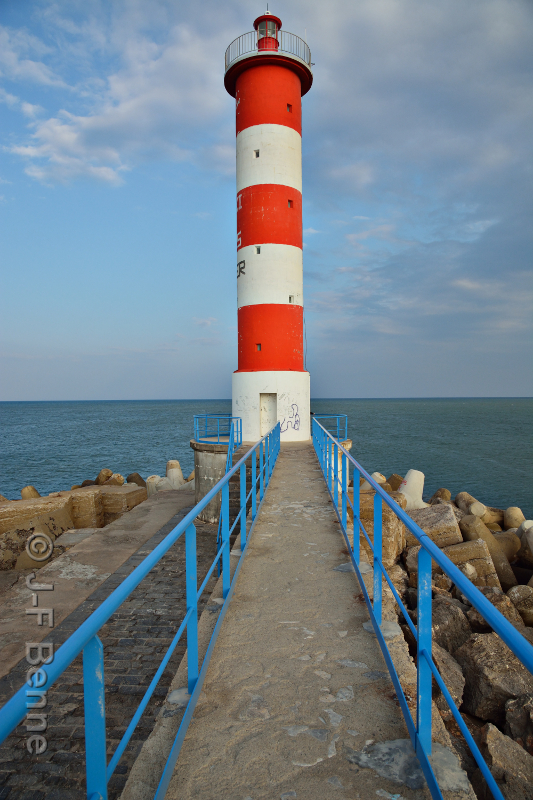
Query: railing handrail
pixel 338 417
pixel 420 728
pixel 502 626
pixel 224 424
pixel 288 43
pixel 13 712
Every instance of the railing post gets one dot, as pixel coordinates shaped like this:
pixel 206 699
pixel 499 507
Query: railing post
pixel 378 552
pixel 191 589
pixel 336 474
pixel 356 515
pixel 243 505
pixel 254 487
pixel 226 578
pixel 95 733
pixel 344 489
pixel 424 687
pixel 261 481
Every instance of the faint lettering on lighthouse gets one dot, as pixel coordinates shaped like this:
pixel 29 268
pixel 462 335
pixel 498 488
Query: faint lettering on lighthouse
pixel 240 268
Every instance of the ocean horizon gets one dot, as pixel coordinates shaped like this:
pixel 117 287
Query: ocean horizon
pixel 483 445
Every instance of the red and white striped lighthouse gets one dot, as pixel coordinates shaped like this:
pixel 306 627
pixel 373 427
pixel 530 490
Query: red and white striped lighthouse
pixel 268 71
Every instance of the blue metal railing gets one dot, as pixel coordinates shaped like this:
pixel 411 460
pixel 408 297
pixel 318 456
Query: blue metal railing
pixel 229 463
pixel 216 428
pixel 420 731
pixel 335 424
pixel 85 639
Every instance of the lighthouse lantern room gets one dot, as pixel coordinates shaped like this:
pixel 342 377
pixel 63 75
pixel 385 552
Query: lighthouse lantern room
pixel 267 72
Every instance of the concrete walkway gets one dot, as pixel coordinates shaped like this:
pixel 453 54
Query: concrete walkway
pixel 297 692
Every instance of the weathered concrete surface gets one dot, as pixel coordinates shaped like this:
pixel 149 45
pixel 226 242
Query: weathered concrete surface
pixel 78 572
pixel 296 688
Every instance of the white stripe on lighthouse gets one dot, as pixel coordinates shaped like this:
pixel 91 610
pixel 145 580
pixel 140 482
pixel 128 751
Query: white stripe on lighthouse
pixel 274 275
pixel 269 154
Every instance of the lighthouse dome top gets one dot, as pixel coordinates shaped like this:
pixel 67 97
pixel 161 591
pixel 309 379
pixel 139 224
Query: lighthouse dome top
pixel 268 44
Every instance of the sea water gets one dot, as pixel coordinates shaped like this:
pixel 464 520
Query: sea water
pixel 482 446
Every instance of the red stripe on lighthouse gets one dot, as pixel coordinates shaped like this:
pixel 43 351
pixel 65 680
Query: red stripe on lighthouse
pixel 270 338
pixel 269 213
pixel 264 94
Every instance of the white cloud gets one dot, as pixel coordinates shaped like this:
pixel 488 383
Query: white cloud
pixel 14 46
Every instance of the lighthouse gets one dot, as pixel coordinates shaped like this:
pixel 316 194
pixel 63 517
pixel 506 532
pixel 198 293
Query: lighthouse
pixel 267 72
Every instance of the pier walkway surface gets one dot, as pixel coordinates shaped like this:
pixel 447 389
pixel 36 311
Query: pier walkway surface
pixel 296 686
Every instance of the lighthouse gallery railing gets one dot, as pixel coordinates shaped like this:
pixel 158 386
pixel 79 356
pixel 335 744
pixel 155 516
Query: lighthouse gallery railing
pixel 263 456
pixel 288 43
pixel 420 729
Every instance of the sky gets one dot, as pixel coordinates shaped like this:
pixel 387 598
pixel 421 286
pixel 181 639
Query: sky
pixel 117 197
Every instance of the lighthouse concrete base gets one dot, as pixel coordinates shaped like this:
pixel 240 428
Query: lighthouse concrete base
pixel 263 398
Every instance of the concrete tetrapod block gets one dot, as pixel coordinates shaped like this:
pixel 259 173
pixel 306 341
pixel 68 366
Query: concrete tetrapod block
pixel 412 487
pixel 470 505
pixel 175 474
pixel 103 476
pixel 493 676
pixel 438 522
pixel 29 493
pixel 472 529
pixel 509 543
pixel 513 517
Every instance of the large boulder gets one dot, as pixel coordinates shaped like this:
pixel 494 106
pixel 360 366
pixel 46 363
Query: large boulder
pixel 510 766
pixel 439 522
pixel 476 554
pixel 493 675
pixel 472 528
pixel 451 628
pixel 452 675
pixel 393 530
pixel 522 599
pixel 492 516
pixel 500 601
pixel 519 721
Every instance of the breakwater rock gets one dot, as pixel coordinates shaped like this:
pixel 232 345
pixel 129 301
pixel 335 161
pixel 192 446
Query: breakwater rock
pixel 30 526
pixel 493 548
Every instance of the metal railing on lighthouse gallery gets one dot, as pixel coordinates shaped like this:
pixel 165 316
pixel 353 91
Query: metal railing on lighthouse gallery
pixel 328 450
pixel 263 456
pixel 288 43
